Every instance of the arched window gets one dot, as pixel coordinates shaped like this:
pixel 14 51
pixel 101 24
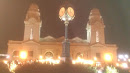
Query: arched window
pixel 98 55
pixel 79 55
pixel 48 55
pixel 97 36
pixel 30 53
pixel 15 53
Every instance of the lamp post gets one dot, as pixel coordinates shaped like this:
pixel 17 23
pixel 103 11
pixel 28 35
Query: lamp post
pixel 66 14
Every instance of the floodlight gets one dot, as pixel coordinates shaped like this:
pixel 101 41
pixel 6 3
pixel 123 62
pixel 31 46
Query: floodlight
pixel 121 56
pixel 23 54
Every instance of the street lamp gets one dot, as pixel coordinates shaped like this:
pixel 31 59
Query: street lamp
pixel 23 55
pixel 108 57
pixel 66 14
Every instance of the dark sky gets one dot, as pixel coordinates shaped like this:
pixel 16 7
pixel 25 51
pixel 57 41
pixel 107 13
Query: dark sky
pixel 115 13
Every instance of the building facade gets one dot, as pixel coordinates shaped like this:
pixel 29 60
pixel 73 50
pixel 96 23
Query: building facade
pixel 93 46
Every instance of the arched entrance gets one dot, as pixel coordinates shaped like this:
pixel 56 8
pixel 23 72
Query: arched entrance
pixel 79 55
pixel 48 55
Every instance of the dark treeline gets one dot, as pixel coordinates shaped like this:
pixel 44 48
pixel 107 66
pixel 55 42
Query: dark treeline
pixel 4 68
pixel 61 68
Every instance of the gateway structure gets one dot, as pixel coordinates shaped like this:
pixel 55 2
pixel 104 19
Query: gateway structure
pixel 49 47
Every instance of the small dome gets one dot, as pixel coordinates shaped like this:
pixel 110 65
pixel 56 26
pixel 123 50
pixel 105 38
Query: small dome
pixel 34 7
pixel 95 11
pixel 33 12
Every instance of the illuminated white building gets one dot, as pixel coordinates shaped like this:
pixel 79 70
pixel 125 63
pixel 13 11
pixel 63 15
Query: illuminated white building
pixel 93 46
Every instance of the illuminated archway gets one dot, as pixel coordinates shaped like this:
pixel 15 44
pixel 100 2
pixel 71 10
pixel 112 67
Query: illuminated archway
pixel 15 53
pixel 80 55
pixel 48 55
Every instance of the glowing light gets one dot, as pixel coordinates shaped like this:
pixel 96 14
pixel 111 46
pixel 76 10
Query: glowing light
pixel 124 65
pixel 79 59
pixel 62 11
pixel 98 63
pixel 12 66
pixel 5 62
pixel 40 57
pixel 89 62
pixel 124 59
pixel 49 61
pixel 8 57
pixel 117 64
pixel 126 56
pixel 95 58
pixel 99 71
pixel 70 11
pixel 57 61
pixel 59 57
pixel 23 54
pixel 129 60
pixel 63 19
pixel 69 18
pixel 111 70
pixel 121 56
pixel 108 57
pixel 73 62
pixel 82 61
pixel 42 61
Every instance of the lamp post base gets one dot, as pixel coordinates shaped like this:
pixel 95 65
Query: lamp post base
pixel 65 57
pixel 66 60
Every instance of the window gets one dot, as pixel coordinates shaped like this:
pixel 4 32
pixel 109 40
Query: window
pixel 16 53
pixel 49 55
pixel 79 55
pixel 98 55
pixel 97 36
pixel 30 53
pixel 31 34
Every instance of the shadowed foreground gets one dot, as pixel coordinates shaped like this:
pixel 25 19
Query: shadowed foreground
pixel 4 68
pixel 61 68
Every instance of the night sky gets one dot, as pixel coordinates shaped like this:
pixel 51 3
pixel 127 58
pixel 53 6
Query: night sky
pixel 115 13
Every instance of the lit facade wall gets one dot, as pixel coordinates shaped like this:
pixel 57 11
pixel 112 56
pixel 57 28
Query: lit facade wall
pixel 50 46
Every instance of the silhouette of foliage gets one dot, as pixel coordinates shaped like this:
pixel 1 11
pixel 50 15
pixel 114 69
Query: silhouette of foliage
pixel 61 68
pixel 4 68
pixel 123 70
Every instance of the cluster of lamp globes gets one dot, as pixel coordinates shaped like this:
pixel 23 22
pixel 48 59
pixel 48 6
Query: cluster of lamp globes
pixel 123 57
pixel 66 14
